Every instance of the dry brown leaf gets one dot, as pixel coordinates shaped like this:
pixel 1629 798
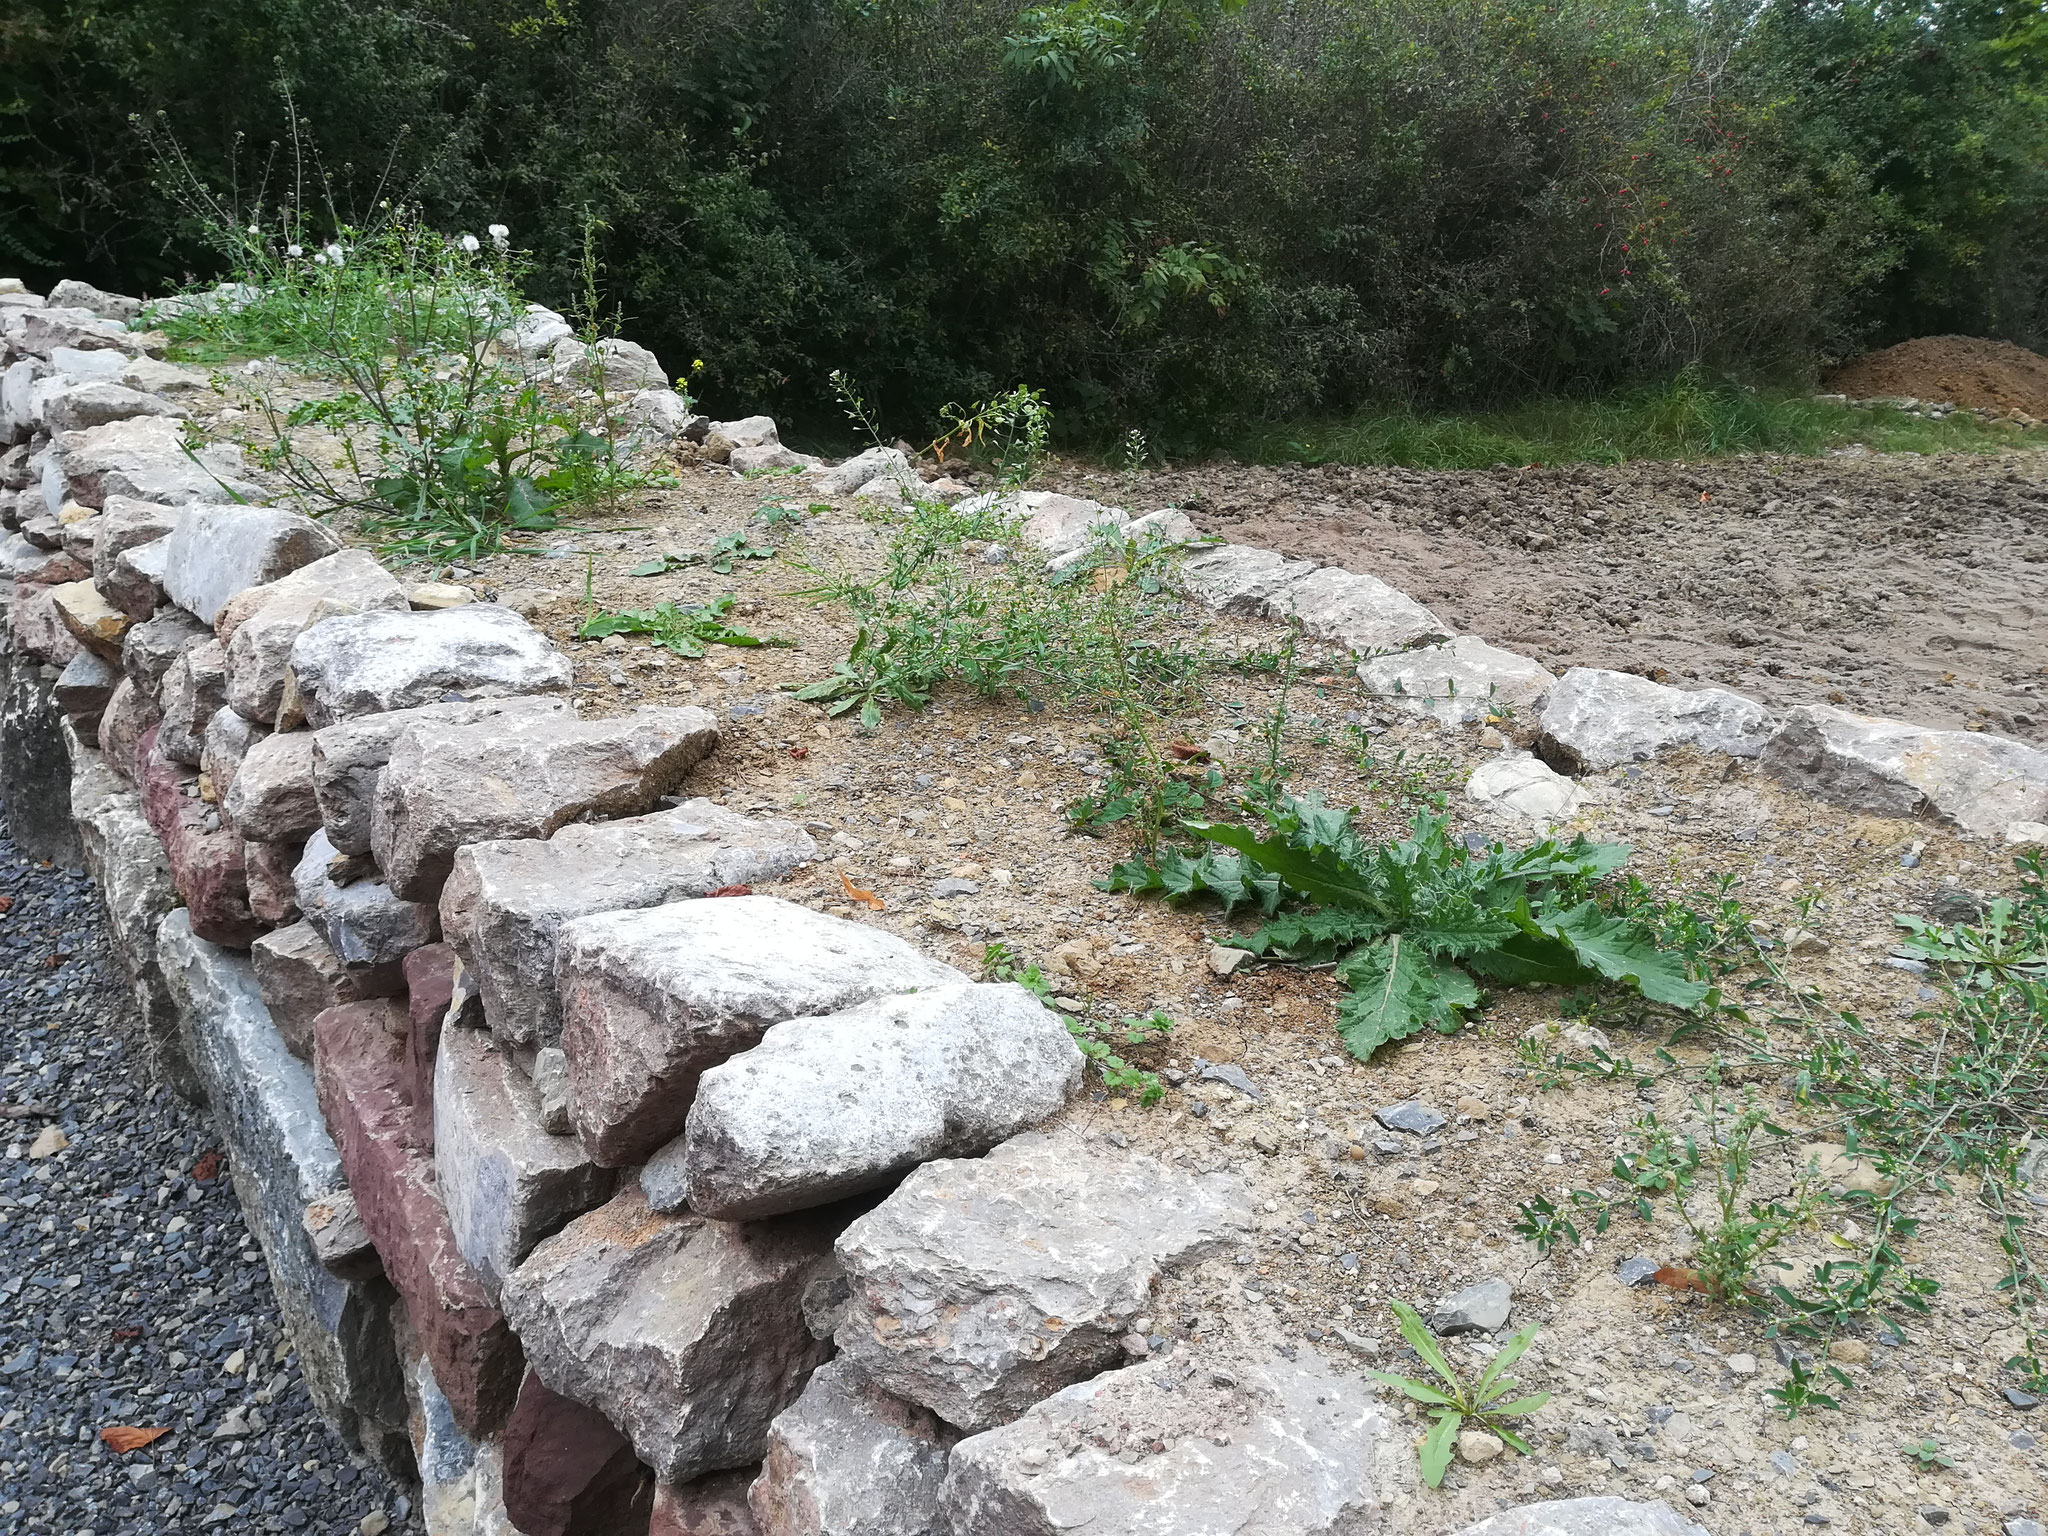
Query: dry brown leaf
pixel 1682 1279
pixel 207 1168
pixel 123 1438
pixel 732 890
pixel 867 899
pixel 1188 752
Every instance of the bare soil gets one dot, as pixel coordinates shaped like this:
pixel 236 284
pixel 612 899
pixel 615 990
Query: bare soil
pixel 1963 370
pixel 1891 585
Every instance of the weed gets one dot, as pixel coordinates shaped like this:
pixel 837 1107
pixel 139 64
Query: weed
pixel 1000 963
pixel 685 631
pixel 1927 1454
pixel 1406 923
pixel 1458 1402
pixel 1098 1043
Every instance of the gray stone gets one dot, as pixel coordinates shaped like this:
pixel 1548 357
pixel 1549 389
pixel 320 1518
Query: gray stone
pixel 1241 579
pixel 653 998
pixel 145 457
pixel 43 330
pixel 33 766
pixel 82 691
pixel 1231 1076
pixel 1980 782
pixel 1360 613
pixel 71 293
pixel 194 689
pixel 1460 682
pixel 620 365
pixel 340 1240
pixel 946 889
pixel 349 757
pixel 687 1334
pixel 1412 1116
pixel 950 1071
pixel 659 414
pixel 79 537
pixel 217 551
pixel 161 378
pixel 506 1182
pixel 1602 1516
pixel 282 1160
pixel 366 926
pixel 1526 786
pixel 954 1304
pixel 551 1090
pixel 846 1459
pixel 1282 1448
pixel 128 717
pixel 1637 1271
pixel 223 744
pixel 1597 719
pixel 271 799
pixel 135 582
pixel 522 776
pixel 300 978
pixel 127 525
pixel 505 900
pixel 1481 1307
pixel 133 878
pixel 93 403
pixel 874 463
pixel 367 663
pixel 261 624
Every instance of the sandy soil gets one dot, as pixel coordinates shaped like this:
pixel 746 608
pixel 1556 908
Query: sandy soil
pixel 1963 370
pixel 1892 585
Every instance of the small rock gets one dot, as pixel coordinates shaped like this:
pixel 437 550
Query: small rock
pixel 1412 1116
pixel 1223 960
pixel 1231 1076
pixel 48 1143
pixel 1696 1495
pixel 1479 1308
pixel 953 886
pixel 1741 1365
pixel 1637 1271
pixel 1476 1445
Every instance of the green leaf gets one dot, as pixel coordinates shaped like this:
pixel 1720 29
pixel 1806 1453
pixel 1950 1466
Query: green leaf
pixel 1451 923
pixel 1513 1439
pixel 1522 1405
pixel 1312 938
pixel 654 567
pixel 1621 951
pixel 1421 1391
pixel 1320 878
pixel 1508 1354
pixel 1437 1446
pixel 1531 959
pixel 1397 989
pixel 1423 1342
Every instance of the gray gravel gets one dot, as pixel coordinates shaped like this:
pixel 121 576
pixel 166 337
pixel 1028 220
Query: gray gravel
pixel 131 1292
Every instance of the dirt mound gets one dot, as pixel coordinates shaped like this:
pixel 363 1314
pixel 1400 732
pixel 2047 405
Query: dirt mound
pixel 1964 370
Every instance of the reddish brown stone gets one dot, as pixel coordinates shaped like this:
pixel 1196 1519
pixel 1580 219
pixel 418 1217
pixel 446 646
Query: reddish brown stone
pixel 129 716
pixel 206 861
pixel 429 984
pixel 272 897
pixel 710 1506
pixel 359 1066
pixel 568 1472
pixel 37 628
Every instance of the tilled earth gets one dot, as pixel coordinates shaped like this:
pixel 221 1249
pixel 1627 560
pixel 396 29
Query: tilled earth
pixel 131 1292
pixel 1892 585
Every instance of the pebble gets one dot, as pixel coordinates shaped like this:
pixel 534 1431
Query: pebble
pixel 1479 1308
pixel 954 886
pixel 1476 1445
pixel 1636 1271
pixel 1741 1365
pixel 1231 1076
pixel 114 1310
pixel 1416 1118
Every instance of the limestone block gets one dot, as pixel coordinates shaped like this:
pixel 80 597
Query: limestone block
pixel 1596 1516
pixel 271 798
pixel 846 1459
pixel 1596 720
pixel 1978 781
pixel 368 927
pixel 195 688
pixel 128 717
pixel 1460 682
pixel 653 998
pixel 301 978
pixel 222 746
pixel 217 551
pixel 367 663
pixel 271 870
pixel 261 624
pixel 149 648
pixel 144 457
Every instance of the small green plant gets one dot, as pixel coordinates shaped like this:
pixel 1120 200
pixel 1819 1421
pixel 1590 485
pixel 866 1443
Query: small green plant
pixel 1457 1402
pixel 1014 428
pixel 683 630
pixel 855 406
pixel 1407 923
pixel 1001 963
pixel 1927 1455
pixel 772 515
pixel 1099 1044
pixel 1798 1393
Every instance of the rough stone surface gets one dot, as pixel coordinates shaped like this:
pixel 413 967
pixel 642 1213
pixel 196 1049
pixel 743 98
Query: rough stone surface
pixel 1361 613
pixel 707 1506
pixel 144 457
pixel 522 776
pixel 1297 1446
pixel 282 1159
pixel 1604 1516
pixel 1460 682
pixel 149 648
pixel 129 716
pixel 205 857
pixel 1596 720
pixel 568 1472
pixel 271 796
pixel 979 1287
pixel 217 551
pixel 1978 781
pixel 367 663
pixel 97 624
pixel 347 758
pixel 432 976
pixel 946 1072
pixel 270 869
pixel 94 402
pixel 1241 578
pixel 194 688
pixel 340 1240
pixel 38 630
pixel 24 562
pixel 33 765
pixel 506 1182
pixel 359 1067
pixel 685 1333
pixel 505 900
pixel 846 1459
pixel 366 926
pixel 261 624
pixel 133 877
pixel 301 978
pixel 1481 1307
pixel 82 692
pixel 71 293
pixel 1526 786
pixel 223 745
pixel 135 581
pixel 651 999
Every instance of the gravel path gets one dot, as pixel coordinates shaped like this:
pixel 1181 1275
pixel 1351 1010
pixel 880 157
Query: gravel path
pixel 131 1292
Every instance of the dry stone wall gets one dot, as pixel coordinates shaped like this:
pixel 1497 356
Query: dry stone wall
pixel 602 1203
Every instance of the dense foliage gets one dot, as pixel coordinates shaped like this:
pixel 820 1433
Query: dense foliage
pixel 1164 211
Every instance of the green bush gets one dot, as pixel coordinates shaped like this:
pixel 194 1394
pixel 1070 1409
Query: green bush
pixel 1189 216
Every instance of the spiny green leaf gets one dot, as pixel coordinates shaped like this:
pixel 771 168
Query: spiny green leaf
pixel 1621 951
pixel 1313 938
pixel 1317 876
pixel 1396 990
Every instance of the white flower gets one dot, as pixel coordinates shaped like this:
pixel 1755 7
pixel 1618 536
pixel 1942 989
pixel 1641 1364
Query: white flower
pixel 334 254
pixel 254 230
pixel 295 250
pixel 469 243
pixel 319 258
pixel 501 237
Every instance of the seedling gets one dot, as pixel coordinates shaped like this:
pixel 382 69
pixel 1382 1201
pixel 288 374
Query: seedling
pixel 1457 1401
pixel 1928 1454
